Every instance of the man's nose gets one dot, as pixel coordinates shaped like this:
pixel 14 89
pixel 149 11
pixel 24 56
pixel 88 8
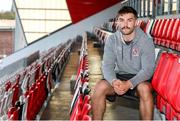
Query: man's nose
pixel 125 23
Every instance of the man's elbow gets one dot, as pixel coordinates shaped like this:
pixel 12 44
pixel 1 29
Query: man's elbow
pixel 149 72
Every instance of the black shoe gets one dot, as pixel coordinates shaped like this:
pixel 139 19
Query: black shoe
pixel 111 98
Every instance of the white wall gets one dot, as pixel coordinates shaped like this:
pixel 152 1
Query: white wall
pixel 19 38
pixel 20 41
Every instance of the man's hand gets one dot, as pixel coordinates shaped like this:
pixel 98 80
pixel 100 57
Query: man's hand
pixel 121 87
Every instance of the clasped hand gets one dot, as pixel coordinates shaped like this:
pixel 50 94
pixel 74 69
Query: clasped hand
pixel 121 87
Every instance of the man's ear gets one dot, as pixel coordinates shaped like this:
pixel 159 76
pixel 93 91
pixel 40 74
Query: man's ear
pixel 136 22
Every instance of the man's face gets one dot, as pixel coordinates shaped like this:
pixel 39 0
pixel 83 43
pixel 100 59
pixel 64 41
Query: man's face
pixel 126 23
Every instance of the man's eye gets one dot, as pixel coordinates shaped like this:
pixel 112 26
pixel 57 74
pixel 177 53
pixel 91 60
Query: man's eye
pixel 130 20
pixel 120 20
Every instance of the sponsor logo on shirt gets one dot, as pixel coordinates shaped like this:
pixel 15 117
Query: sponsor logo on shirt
pixel 135 52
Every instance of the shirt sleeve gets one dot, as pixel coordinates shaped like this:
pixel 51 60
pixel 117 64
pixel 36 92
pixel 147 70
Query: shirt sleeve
pixel 109 60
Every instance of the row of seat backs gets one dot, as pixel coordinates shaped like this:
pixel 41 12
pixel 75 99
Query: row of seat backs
pixel 102 35
pixel 166 32
pixel 80 104
pixel 32 102
pixel 166 80
pixel 34 82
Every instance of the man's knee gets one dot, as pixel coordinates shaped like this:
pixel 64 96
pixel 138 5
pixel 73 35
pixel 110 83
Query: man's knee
pixel 103 87
pixel 144 90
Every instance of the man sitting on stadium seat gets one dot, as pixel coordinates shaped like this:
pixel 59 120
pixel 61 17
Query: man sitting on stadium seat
pixel 128 64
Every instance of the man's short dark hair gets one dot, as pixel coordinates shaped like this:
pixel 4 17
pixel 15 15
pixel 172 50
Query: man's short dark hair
pixel 128 9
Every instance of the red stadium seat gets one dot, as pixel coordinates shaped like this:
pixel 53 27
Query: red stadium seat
pixel 176 101
pixel 160 103
pixel 162 72
pixel 166 83
pixel 157 30
pixel 10 111
pixel 168 111
pixel 178 39
pixel 173 42
pixel 86 99
pixel 16 93
pixel 173 83
pixel 160 32
pixel 153 31
pixel 85 110
pixel 169 73
pixel 169 32
pixel 164 33
pixel 76 108
pixel 147 26
pixel 15 114
pixel 86 118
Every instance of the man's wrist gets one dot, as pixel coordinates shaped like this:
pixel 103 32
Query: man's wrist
pixel 113 81
pixel 131 85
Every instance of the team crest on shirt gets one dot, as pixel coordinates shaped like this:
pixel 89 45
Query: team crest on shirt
pixel 135 52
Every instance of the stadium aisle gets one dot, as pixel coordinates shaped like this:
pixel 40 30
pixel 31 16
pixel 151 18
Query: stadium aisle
pixel 58 106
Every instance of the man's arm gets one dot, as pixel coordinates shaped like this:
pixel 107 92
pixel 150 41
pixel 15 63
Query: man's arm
pixel 109 60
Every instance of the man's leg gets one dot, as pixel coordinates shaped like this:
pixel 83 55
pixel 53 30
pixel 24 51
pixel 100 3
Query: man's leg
pixel 144 91
pixel 102 89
